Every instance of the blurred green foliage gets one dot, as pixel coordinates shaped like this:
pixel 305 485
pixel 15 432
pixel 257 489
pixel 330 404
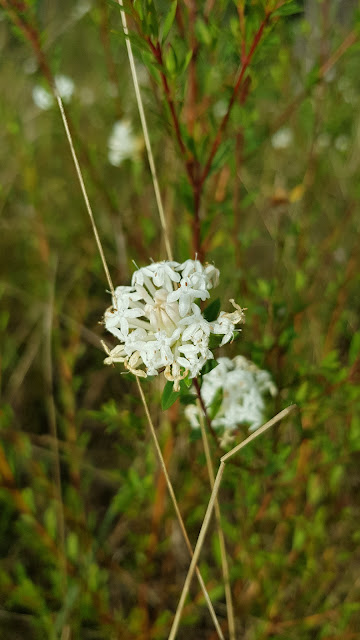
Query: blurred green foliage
pixel 278 215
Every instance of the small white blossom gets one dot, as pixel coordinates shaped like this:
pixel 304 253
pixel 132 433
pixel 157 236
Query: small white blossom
pixel 44 99
pixel 282 139
pixel 342 143
pixel 186 293
pixel 243 386
pixel 122 143
pixel 65 87
pixel 159 324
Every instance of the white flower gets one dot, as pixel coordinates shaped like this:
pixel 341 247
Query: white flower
pixel 197 326
pixel 225 324
pixel 122 143
pixel 282 139
pixel 80 9
pixel 44 99
pixel 65 87
pixel 342 143
pixel 192 414
pixel 186 293
pixel 160 326
pixel 243 387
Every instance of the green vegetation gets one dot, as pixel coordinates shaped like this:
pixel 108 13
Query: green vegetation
pixel 253 112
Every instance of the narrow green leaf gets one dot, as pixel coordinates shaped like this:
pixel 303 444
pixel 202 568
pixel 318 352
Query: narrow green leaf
pixel 289 9
pixel 216 403
pixel 169 396
pixel 215 340
pixel 169 20
pixel 186 61
pixel 212 310
pixel 209 365
pixel 354 350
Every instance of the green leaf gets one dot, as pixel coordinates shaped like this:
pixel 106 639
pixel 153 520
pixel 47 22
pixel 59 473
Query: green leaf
pixel 168 22
pixel 170 61
pixel 186 383
pixel 212 310
pixel 289 9
pixel 216 403
pixel 209 365
pixel 354 350
pixel 186 61
pixel 169 396
pixel 187 398
pixel 215 340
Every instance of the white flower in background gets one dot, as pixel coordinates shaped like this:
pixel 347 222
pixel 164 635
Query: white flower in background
pixel 80 9
pixel 122 143
pixel 159 323
pixel 342 143
pixel 243 386
pixel 282 139
pixel 44 99
pixel 323 141
pixel 220 108
pixel 65 87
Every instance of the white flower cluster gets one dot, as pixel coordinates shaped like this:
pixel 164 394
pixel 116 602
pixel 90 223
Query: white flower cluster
pixel 160 325
pixel 243 387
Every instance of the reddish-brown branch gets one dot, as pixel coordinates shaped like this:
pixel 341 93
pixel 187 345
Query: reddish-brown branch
pixel 192 86
pixel 198 250
pixel 14 10
pixel 157 53
pixel 245 64
pixel 205 411
pixel 191 164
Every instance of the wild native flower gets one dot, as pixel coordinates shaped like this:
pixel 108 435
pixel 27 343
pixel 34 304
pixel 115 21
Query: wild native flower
pixel 240 387
pixel 159 324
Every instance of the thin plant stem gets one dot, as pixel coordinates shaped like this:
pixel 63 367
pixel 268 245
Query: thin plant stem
pixel 279 416
pixel 204 411
pixel 209 510
pixel 223 554
pixel 197 551
pixel 245 63
pixel 84 192
pixel 176 507
pixel 146 133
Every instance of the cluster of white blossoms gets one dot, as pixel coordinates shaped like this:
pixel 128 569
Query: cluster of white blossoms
pixel 243 386
pixel 160 325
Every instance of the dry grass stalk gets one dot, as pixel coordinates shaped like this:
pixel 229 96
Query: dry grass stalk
pixel 224 561
pixel 177 510
pixel 208 514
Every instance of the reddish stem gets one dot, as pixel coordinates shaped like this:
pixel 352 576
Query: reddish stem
pixel 156 50
pixel 204 409
pixel 14 9
pixel 245 63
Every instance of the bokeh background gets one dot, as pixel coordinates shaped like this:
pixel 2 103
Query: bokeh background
pixel 279 216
